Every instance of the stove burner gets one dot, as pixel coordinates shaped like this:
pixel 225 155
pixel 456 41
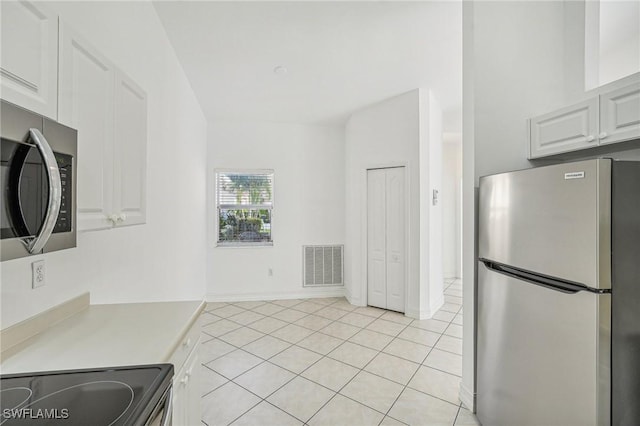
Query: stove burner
pixel 109 397
pixel 8 397
pixel 79 397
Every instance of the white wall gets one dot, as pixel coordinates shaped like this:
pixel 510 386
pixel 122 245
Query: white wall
pixel 451 204
pixel 164 259
pixel 431 243
pixel 382 135
pixel 619 43
pixel 308 164
pixel 468 268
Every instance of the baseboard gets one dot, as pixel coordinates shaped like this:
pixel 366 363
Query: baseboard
pixel 18 333
pixel 419 314
pixel 468 398
pixel 308 293
pixel 350 298
pixel 425 313
pixel 436 305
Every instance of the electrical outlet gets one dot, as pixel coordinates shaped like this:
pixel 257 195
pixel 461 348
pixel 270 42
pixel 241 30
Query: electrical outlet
pixel 270 273
pixel 37 273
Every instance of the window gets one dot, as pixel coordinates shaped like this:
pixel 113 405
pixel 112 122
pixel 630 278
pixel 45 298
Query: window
pixel 244 201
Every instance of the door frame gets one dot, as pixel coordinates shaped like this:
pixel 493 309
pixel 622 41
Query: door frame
pixel 364 223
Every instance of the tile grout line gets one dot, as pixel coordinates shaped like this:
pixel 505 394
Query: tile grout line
pixel 355 375
pixel 415 372
pixel 267 360
pixel 322 355
pixel 327 354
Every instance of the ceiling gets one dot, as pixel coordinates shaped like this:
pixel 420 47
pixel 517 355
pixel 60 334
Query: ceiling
pixel 339 56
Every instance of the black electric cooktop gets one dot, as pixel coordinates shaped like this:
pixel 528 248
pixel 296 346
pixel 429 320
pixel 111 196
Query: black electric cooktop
pixel 105 396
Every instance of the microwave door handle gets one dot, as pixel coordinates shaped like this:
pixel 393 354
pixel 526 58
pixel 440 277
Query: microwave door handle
pixel 37 243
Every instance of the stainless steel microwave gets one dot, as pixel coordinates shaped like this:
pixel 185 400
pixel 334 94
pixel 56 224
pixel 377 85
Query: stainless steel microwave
pixel 38 178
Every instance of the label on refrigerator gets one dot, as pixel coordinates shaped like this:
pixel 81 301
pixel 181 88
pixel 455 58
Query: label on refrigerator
pixel 574 175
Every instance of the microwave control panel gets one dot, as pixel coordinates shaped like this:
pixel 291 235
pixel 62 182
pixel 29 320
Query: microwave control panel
pixel 65 162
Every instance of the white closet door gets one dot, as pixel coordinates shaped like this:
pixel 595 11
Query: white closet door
pixel 395 236
pixel 386 238
pixel 376 239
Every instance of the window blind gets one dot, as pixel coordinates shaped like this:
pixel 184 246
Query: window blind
pixel 245 190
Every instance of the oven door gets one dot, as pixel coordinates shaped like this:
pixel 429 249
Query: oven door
pixel 163 412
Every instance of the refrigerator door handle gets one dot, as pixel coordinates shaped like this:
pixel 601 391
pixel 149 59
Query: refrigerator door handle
pixel 551 283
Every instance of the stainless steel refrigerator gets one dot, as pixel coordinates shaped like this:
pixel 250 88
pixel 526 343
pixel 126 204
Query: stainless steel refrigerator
pixel 558 315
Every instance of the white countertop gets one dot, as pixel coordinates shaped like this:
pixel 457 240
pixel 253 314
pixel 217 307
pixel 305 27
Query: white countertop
pixel 107 336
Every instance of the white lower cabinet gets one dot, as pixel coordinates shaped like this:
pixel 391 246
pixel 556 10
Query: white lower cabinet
pixel 186 392
pixel 186 379
pixel 109 110
pixel 29 56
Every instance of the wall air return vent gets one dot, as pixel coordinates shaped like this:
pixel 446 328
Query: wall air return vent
pixel 322 265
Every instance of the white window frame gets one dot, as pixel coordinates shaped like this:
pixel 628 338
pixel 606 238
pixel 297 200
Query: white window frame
pixel 240 244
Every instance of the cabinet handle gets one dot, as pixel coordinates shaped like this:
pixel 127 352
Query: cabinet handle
pixel 602 135
pixel 591 138
pixel 116 218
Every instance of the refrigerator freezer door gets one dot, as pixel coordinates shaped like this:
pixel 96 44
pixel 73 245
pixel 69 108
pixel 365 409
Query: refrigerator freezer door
pixel 543 356
pixel 553 220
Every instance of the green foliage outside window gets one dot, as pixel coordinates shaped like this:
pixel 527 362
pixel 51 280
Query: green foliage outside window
pixel 244 206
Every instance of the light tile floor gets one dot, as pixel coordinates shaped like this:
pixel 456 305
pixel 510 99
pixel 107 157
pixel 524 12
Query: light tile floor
pixel 327 362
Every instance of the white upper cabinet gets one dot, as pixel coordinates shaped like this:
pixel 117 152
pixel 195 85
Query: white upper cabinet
pixel 86 103
pixel 610 117
pixel 568 129
pixel 130 152
pixel 110 112
pixel 29 56
pixel 620 115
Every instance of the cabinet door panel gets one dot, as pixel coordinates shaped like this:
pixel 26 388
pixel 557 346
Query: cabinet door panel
pixel 620 115
pixel 86 104
pixel 29 56
pixel 565 130
pixel 194 391
pixel 130 151
pixel 186 391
